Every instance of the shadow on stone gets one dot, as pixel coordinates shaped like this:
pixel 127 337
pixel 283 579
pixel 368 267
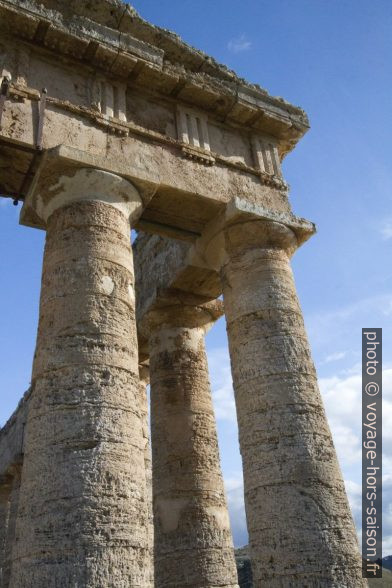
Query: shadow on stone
pixel 244 568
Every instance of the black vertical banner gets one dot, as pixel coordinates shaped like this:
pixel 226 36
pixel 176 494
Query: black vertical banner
pixel 372 453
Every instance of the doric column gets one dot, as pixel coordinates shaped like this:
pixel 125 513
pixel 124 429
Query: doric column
pixel 300 526
pixel 83 516
pixel 193 543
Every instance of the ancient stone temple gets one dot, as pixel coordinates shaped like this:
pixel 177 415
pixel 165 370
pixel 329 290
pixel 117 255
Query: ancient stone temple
pixel 110 124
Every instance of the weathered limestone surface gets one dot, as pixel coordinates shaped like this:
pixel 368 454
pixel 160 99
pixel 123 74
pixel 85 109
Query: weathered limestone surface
pixel 144 376
pixel 86 525
pixel 299 521
pixel 12 439
pixel 5 490
pixel 11 460
pixel 169 267
pixel 279 407
pixel 117 90
pixel 10 529
pixel 137 126
pixel 193 543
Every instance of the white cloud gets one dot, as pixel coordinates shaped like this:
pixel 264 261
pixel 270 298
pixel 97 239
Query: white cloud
pixel 342 399
pixel 386 230
pixel 239 44
pixel 354 493
pixel 354 490
pixel 222 387
pixel 335 356
pixel 329 330
pixel 235 499
pixel 387 513
pixel 343 403
pixel 360 307
pixel 387 309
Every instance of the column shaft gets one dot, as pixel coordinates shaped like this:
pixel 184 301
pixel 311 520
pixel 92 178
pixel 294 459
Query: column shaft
pixel 193 543
pixel 299 521
pixel 82 516
pixel 144 381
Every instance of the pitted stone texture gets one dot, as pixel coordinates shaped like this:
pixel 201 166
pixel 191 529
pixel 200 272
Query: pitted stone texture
pixel 9 512
pixel 5 490
pixel 144 381
pixel 193 543
pixel 12 440
pixel 83 513
pixel 299 522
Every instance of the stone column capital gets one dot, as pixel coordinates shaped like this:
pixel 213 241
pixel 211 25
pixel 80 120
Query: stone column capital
pixel 176 308
pixel 60 181
pixel 244 225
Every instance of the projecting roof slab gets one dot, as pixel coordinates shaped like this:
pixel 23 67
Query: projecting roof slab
pixel 96 78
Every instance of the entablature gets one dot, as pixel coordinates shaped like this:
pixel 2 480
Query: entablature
pixel 165 116
pixel 65 29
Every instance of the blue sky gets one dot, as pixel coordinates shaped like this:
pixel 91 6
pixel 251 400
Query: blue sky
pixel 332 57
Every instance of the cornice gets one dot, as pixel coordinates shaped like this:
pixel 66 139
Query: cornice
pixel 108 35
